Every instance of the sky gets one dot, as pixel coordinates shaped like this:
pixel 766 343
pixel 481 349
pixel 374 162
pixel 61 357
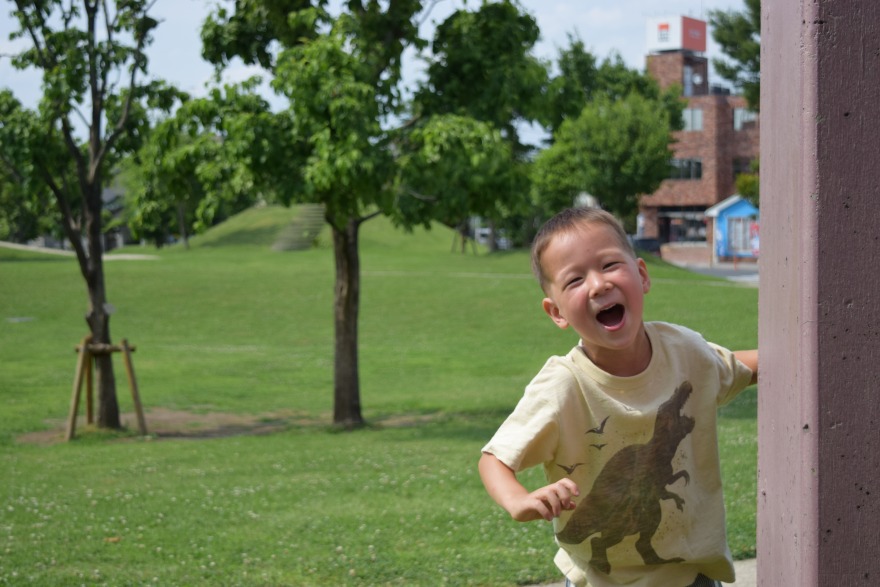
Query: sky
pixel 605 26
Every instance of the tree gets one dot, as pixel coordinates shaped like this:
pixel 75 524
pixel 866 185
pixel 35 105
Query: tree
pixel 23 201
pixel 615 150
pixel 483 68
pixel 748 184
pixel 581 80
pixel 91 54
pixel 335 107
pixel 195 168
pixel 453 167
pixel 340 76
pixel 739 35
pixel 614 160
pixel 574 86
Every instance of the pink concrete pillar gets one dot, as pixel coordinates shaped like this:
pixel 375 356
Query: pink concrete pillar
pixel 819 334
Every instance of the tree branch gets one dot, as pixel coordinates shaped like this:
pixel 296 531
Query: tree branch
pixel 370 216
pixel 409 123
pixel 96 90
pixel 72 147
pixel 129 98
pixel 71 228
pixel 427 12
pixel 45 56
pixel 421 197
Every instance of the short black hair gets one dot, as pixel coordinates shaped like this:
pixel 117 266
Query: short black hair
pixel 566 221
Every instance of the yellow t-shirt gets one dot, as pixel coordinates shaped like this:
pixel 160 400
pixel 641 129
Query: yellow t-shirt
pixel 643 451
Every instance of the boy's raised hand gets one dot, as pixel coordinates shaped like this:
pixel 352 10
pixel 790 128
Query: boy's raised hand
pixel 544 503
pixel 548 501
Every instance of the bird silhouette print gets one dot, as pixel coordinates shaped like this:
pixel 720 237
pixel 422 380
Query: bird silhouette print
pixel 599 429
pixel 626 495
pixel 570 469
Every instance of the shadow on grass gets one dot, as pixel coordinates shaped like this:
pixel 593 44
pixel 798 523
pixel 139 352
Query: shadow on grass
pixel 476 426
pixel 32 258
pixel 168 424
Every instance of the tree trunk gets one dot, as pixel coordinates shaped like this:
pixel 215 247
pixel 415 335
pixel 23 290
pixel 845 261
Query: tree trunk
pixel 463 233
pixel 108 407
pixel 493 240
pixel 98 317
pixel 181 224
pixel 346 382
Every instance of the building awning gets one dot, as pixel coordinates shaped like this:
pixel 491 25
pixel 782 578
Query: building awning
pixel 690 215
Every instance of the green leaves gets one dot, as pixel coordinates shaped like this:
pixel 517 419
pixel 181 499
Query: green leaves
pixel 581 81
pixel 206 163
pixel 251 28
pixel 453 167
pixel 335 116
pixel 611 133
pixel 483 68
pixel 739 35
pixel 615 150
pixel 28 147
pixel 23 201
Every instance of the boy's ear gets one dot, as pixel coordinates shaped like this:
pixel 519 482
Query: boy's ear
pixel 552 310
pixel 643 273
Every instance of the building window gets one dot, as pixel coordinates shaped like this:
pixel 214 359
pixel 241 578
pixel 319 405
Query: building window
pixel 686 169
pixel 663 33
pixel 744 118
pixel 693 119
pixel 681 224
pixel 742 236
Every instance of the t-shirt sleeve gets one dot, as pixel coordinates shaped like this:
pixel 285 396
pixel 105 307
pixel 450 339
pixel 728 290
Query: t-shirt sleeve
pixel 530 435
pixel 734 375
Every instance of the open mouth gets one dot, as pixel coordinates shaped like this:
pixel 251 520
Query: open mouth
pixel 611 317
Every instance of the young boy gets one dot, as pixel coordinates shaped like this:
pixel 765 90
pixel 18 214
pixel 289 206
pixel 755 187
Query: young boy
pixel 624 424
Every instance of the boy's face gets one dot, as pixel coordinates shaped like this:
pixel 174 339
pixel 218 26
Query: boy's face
pixel 596 286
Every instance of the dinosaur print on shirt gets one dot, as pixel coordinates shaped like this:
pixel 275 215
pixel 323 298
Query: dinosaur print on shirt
pixel 626 496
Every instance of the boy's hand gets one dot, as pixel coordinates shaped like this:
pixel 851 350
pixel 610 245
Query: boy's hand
pixel 749 359
pixel 547 502
pixel 544 503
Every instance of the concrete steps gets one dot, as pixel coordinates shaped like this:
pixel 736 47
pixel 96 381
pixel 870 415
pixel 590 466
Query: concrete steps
pixel 302 231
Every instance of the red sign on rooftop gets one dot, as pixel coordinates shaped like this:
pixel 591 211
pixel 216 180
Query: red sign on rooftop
pixel 674 33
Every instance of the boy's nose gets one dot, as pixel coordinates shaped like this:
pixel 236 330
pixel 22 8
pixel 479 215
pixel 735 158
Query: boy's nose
pixel 598 286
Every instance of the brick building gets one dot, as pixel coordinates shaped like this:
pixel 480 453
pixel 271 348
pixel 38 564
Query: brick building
pixel 719 140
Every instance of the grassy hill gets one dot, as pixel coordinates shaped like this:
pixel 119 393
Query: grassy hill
pixel 232 329
pixel 260 227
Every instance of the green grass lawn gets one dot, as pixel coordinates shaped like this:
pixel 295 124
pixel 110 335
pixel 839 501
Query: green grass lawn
pixel 447 343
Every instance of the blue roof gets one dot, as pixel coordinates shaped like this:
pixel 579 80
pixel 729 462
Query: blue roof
pixel 735 206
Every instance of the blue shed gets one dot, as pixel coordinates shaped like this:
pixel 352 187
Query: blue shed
pixel 735 233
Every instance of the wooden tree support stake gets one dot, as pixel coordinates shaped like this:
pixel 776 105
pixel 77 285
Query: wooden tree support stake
pixel 84 368
pixel 132 383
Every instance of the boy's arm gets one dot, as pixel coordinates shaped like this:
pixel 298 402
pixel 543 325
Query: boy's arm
pixel 750 360
pixel 502 485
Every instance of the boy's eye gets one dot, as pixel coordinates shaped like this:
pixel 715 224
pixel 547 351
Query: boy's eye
pixel 572 281
pixel 611 265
